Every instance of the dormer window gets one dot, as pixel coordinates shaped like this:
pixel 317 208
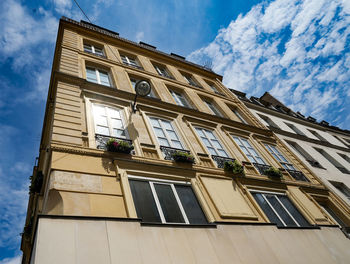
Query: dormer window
pixel 98 76
pixel 130 61
pixel 89 48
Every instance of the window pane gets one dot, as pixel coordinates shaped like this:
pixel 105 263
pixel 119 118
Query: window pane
pixel 167 125
pixel 170 207
pixel 293 211
pixel 116 123
pixel 190 204
pixel 104 78
pixel 119 133
pixel 159 132
pixel 216 144
pixel 206 142
pixel 212 151
pixel 176 144
pixel 222 153
pixel 200 132
pixel 102 130
pixel 145 205
pixel 172 135
pixel 163 142
pixel 98 51
pixel 155 122
pixel 267 209
pixel 101 120
pixel 210 134
pixel 91 75
pixel 280 210
pixel 87 48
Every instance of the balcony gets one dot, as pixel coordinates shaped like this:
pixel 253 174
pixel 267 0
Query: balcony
pixel 298 175
pixel 261 167
pixel 101 141
pixel 220 161
pixel 168 152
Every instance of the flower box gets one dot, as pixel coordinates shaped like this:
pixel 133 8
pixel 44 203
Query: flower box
pixel 181 156
pixel 121 146
pixel 235 167
pixel 273 173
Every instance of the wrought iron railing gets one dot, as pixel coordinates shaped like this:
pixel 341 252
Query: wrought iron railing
pixel 96 54
pixel 298 175
pixel 220 161
pixel 101 141
pixel 168 152
pixel 261 167
pixel 133 65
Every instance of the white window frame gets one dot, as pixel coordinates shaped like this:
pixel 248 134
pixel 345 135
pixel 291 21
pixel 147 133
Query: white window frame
pixel 212 107
pixel 273 209
pixel 241 144
pixel 204 131
pixel 109 120
pixel 129 59
pixel 93 49
pixel 164 130
pixel 98 78
pixel 180 98
pixel 279 157
pixel 162 71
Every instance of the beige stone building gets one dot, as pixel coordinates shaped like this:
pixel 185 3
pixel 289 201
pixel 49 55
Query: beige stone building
pixel 90 203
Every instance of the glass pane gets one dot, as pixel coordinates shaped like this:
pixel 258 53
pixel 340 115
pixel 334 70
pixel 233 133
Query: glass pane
pixel 222 153
pixel 114 113
pixel 212 151
pixel 116 123
pixel 170 207
pixel 190 204
pixel 267 209
pixel 101 120
pixel 102 130
pixel 124 59
pixel 167 125
pixel 200 132
pixel 260 161
pixel 133 83
pixel 293 211
pixel 176 144
pixel 206 142
pixel 145 205
pixel 98 51
pixel 91 75
pixel 163 142
pixel 104 78
pixel 87 48
pixel 119 133
pixel 99 110
pixel 216 144
pixel 154 122
pixel 280 210
pixel 210 134
pixel 159 132
pixel 172 135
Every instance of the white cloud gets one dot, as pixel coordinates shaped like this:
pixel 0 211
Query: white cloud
pixel 139 36
pixel 297 50
pixel 14 260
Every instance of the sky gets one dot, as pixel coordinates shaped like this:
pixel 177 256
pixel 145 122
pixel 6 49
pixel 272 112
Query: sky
pixel 296 50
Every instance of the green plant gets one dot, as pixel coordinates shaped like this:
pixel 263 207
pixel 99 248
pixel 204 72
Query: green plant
pixel 36 182
pixel 27 230
pixel 273 172
pixel 181 156
pixel 122 146
pixel 235 167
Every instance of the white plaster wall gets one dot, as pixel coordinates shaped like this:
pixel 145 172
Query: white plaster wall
pixel 111 242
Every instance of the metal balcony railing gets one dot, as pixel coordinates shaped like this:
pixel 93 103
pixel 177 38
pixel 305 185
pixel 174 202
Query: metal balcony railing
pixel 101 141
pixel 96 54
pixel 133 65
pixel 298 175
pixel 220 161
pixel 261 167
pixel 168 152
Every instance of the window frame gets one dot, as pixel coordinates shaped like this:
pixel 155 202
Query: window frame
pixel 152 181
pixel 240 117
pixel 276 153
pixel 160 68
pixel 130 58
pixel 93 49
pixel 213 108
pixel 97 71
pixel 177 96
pixel 210 141
pixel 251 146
pixel 164 130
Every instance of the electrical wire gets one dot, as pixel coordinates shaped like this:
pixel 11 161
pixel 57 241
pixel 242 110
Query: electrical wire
pixel 82 11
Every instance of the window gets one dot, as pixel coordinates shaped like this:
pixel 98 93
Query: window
pixel 108 121
pixel 189 79
pixel 240 117
pixel 279 157
pixel 304 154
pixel 317 135
pixel 162 71
pixel 133 83
pixel 211 142
pixel 268 121
pixel 93 49
pixel 97 76
pixel 166 202
pixel 345 157
pixel 180 99
pixel 332 160
pixel 213 108
pixel 165 133
pixel 131 61
pixel 342 188
pixel 295 129
pixel 280 210
pixel 248 150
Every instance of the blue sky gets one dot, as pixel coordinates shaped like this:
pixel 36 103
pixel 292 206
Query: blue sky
pixel 297 50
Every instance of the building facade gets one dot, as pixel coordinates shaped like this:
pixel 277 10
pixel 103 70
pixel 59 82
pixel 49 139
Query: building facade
pixel 90 204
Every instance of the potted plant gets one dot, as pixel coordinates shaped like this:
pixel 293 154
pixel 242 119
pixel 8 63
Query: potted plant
pixel 235 167
pixel 117 145
pixel 182 156
pixel 273 173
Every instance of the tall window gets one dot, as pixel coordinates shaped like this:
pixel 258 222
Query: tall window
pixel 162 71
pixel 333 161
pixel 342 188
pixel 268 121
pixel 240 117
pixel 131 61
pixel 345 157
pixel 93 49
pixel 280 210
pixel 97 76
pixel 165 133
pixel 165 202
pixel 306 155
pixel 213 108
pixel 133 83
pixel 108 121
pixel 189 79
pixel 248 150
pixel 211 142
pixel 317 135
pixel 180 99
pixel 295 129
pixel 279 157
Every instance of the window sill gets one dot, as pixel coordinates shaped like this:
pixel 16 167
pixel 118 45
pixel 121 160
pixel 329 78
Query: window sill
pixel 179 225
pixel 299 227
